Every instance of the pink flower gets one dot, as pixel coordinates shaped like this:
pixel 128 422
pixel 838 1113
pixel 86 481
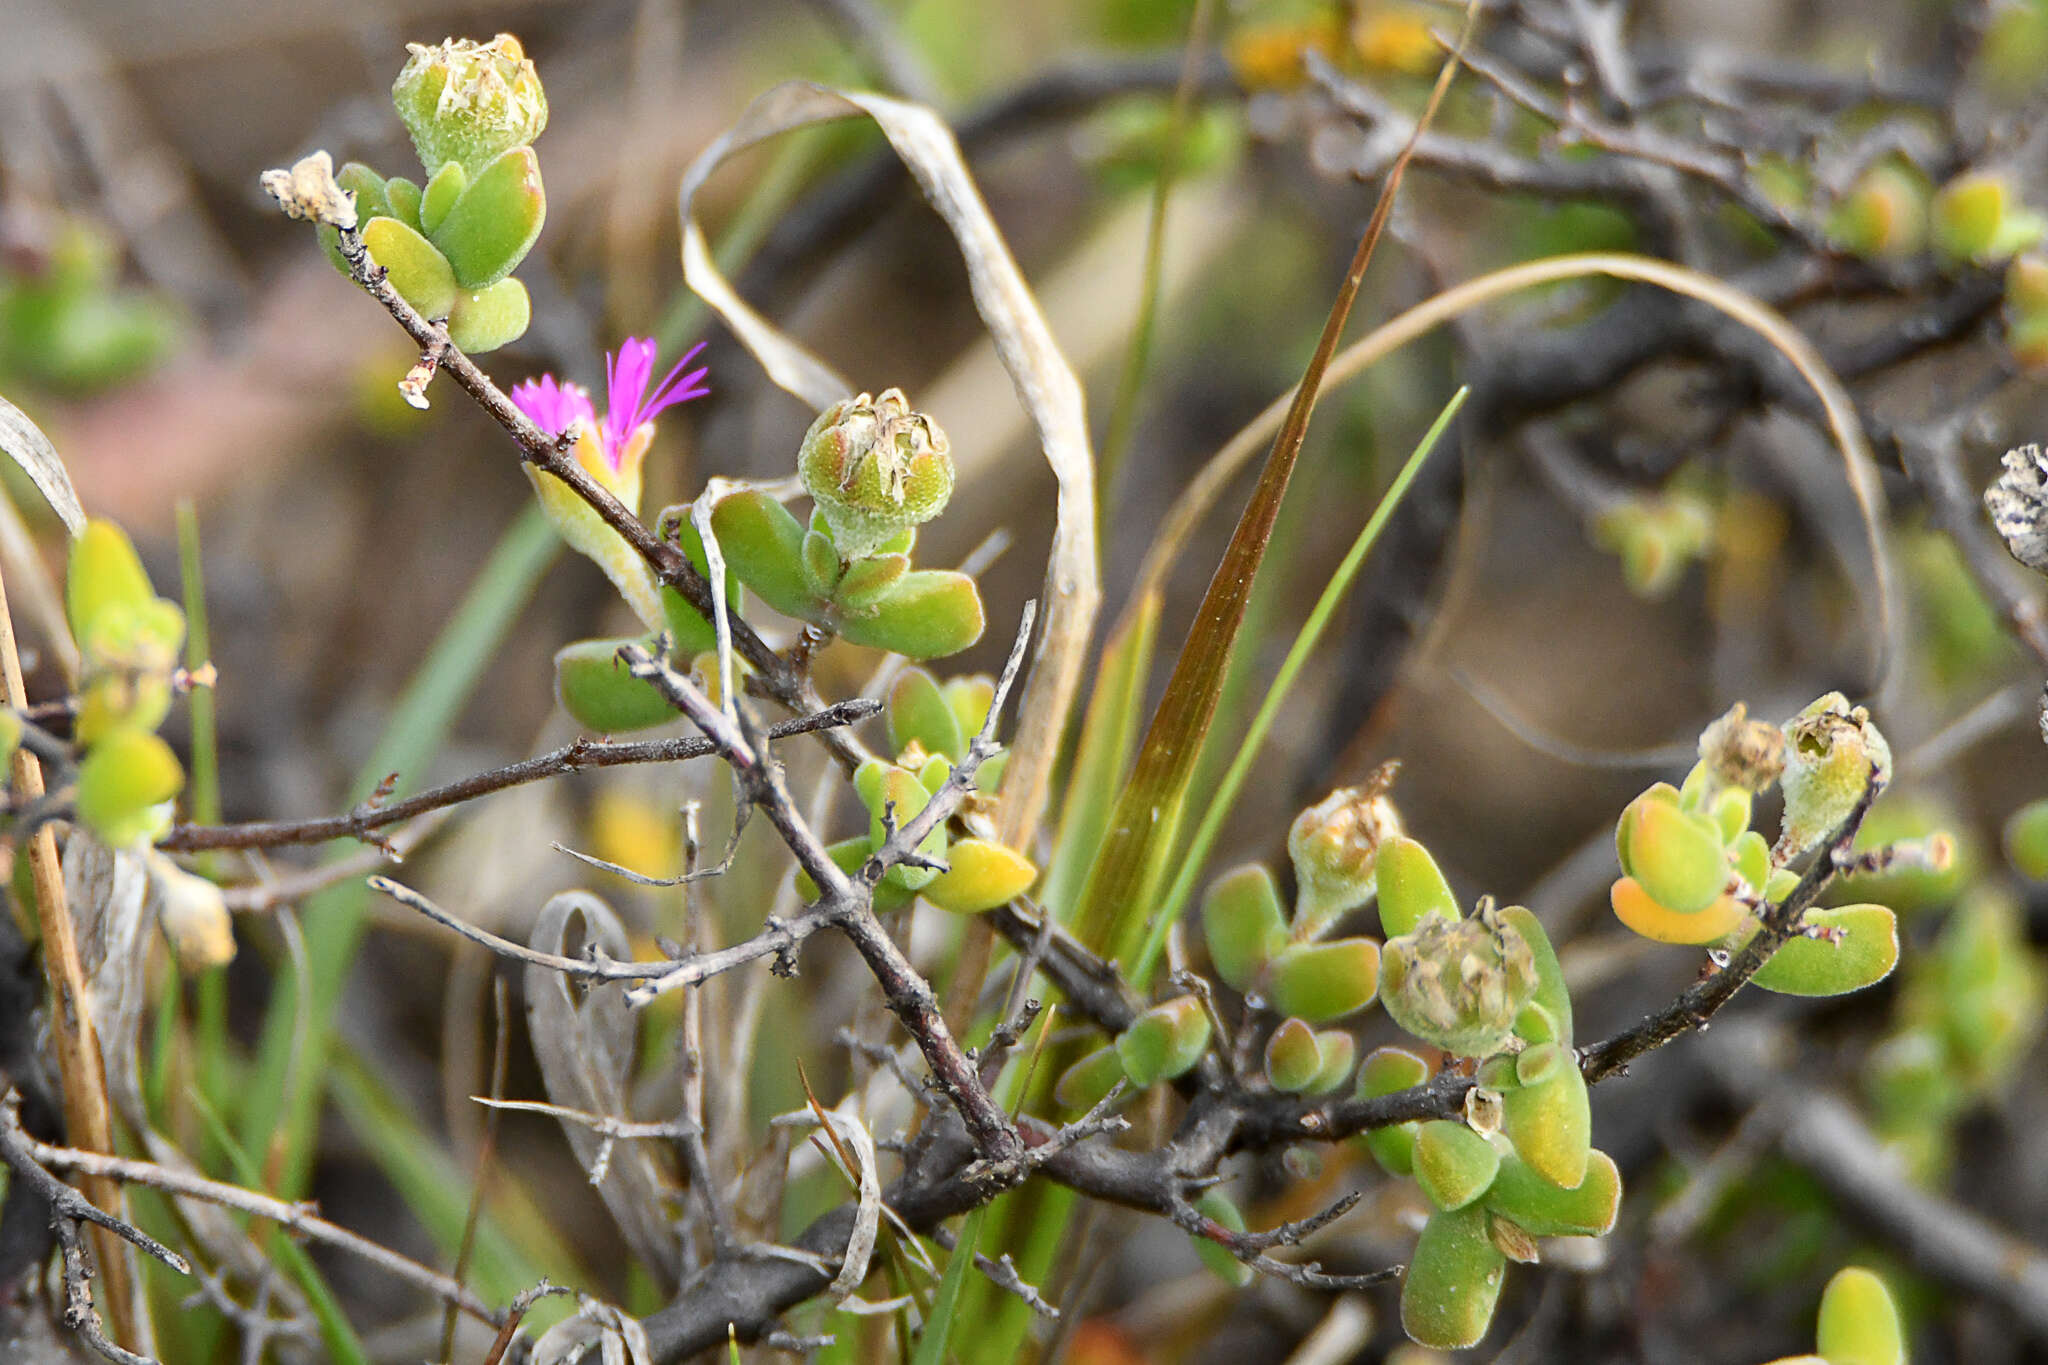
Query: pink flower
pixel 629 406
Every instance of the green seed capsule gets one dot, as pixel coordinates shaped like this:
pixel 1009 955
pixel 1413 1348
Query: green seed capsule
pixel 1460 985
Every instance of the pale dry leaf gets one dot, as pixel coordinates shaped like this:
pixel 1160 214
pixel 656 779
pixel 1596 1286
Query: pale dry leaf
pixel 583 1039
pixel 28 447
pixel 1044 381
pixel 2018 503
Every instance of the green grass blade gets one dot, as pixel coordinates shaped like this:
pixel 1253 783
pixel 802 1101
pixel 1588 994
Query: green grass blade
pixel 1109 731
pixel 931 1343
pixel 281 1122
pixel 1196 855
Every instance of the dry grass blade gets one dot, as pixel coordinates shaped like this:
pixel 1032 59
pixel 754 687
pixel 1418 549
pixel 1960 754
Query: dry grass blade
pixel 1840 410
pixel 1141 827
pixel 1045 383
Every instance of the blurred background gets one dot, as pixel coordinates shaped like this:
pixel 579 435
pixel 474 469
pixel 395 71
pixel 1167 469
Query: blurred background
pixel 1532 658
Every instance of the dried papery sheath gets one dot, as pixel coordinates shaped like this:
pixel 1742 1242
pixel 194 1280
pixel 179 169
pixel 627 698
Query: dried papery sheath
pixel 2018 503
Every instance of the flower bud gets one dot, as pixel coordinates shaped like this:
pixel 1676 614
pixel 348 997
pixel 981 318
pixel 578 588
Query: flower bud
pixel 1335 845
pixel 1832 753
pixel 875 469
pixel 1743 753
pixel 1459 985
pixel 467 102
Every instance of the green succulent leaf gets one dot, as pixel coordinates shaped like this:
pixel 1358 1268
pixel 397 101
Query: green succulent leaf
pixel 494 317
pixel 691 632
pixel 868 581
pixel 1551 998
pixel 104 573
pixel 1548 1114
pixel 419 273
pixel 1243 923
pixel 1453 1280
pixel 900 789
pixel 928 614
pixel 764 545
pixel 122 780
pixel 1324 981
pixel 1543 1209
pixel 440 195
pixel 494 223
pixel 1216 1205
pixel 1859 1322
pixel 1083 1085
pixel 598 692
pixel 821 564
pixel 368 188
pixel 403 197
pixel 1293 1057
pixel 1386 1071
pixel 1411 887
pixel 980 875
pixel 1859 947
pixel 1164 1042
pixel 1453 1164
pixel 919 713
pixel 1677 855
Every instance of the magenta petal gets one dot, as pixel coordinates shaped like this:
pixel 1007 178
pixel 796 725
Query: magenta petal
pixel 554 408
pixel 629 406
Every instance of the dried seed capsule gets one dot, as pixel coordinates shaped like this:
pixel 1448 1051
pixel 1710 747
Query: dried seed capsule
pixel 1335 847
pixel 1832 752
pixel 1459 985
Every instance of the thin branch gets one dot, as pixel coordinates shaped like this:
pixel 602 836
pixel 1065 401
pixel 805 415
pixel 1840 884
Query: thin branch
pixel 17 1149
pixel 578 755
pixel 299 1218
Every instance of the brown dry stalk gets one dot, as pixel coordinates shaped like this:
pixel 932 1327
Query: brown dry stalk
pixel 87 1123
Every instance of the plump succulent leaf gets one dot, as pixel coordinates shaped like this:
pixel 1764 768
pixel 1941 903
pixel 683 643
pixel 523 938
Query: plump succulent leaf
pixel 440 195
pixel 867 582
pixel 1453 1164
pixel 1859 1323
pixel 918 712
pixel 1217 1205
pixel 1675 854
pixel 1551 998
pixel 419 272
pixel 1322 982
pixel 1634 907
pixel 764 545
pixel 1293 1056
pixel 600 695
pixel 1859 948
pixel 1452 1281
pixel 928 614
pixel 1543 1209
pixel 1411 886
pixel 980 875
pixel 1164 1042
pixel 490 318
pixel 1083 1085
pixel 1386 1071
pixel 122 780
pixel 490 228
pixel 403 197
pixel 1243 923
pixel 1548 1114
